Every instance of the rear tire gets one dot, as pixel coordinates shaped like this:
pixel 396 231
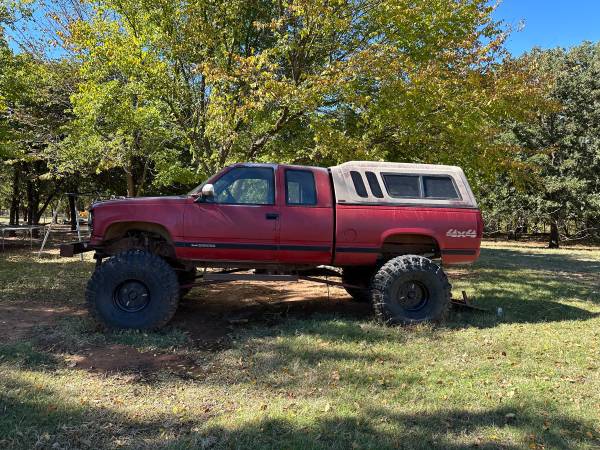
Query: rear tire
pixel 358 276
pixel 410 289
pixel 134 289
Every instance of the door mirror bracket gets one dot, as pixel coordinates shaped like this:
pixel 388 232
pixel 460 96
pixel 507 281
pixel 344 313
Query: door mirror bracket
pixel 208 193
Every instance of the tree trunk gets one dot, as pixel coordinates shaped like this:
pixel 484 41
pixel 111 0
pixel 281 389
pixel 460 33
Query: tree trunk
pixel 15 202
pixel 30 202
pixel 55 216
pixel 44 207
pixel 591 227
pixel 33 205
pixel 73 212
pixel 130 182
pixel 554 236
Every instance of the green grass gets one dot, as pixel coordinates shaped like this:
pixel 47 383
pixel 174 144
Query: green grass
pixel 529 378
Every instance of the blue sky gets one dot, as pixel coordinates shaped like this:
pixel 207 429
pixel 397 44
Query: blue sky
pixel 550 23
pixel 547 23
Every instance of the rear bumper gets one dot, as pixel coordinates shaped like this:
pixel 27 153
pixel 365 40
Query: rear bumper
pixel 75 248
pixel 460 256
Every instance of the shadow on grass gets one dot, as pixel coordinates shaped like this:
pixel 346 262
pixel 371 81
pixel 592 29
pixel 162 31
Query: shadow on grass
pixel 378 428
pixel 530 288
pixel 36 416
pixel 26 355
pixel 33 415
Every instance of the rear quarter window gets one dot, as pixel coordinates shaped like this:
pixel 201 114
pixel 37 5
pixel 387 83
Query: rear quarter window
pixel 440 188
pixel 359 184
pixel 374 184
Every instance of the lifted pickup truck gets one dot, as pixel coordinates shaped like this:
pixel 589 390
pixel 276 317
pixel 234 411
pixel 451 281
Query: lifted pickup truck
pixel 378 226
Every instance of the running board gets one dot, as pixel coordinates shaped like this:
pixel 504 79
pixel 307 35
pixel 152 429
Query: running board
pixel 246 277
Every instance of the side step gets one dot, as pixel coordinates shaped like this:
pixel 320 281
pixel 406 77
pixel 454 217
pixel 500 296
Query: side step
pixel 210 276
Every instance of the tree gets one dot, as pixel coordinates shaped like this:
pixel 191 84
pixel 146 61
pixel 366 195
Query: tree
pixel 559 152
pixel 36 105
pixel 181 89
pixel 120 122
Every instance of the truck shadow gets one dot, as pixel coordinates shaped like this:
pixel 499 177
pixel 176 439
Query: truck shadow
pixel 527 288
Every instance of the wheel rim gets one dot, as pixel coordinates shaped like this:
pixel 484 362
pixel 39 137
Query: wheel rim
pixel 412 295
pixel 132 296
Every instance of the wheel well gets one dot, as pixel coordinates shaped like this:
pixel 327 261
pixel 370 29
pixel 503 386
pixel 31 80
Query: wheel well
pixel 120 230
pixel 143 235
pixel 414 244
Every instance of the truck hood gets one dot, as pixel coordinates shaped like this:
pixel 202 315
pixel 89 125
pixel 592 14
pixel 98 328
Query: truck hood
pixel 131 201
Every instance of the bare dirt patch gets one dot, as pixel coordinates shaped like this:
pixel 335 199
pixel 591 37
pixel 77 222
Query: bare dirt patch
pixel 209 315
pixel 17 320
pixel 124 358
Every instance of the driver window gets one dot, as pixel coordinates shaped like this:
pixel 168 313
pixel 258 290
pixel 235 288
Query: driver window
pixel 246 186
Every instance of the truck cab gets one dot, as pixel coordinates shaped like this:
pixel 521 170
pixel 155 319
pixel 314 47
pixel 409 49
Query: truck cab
pixel 265 213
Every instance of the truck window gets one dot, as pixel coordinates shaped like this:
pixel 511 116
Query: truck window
pixel 359 184
pixel 374 184
pixel 246 186
pixel 300 187
pixel 402 186
pixel 440 187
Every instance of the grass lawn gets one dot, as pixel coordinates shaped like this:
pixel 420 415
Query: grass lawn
pixel 528 378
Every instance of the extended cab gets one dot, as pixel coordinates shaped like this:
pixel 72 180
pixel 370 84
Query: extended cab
pixel 380 224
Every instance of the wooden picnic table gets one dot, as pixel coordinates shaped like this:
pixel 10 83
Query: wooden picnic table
pixel 27 228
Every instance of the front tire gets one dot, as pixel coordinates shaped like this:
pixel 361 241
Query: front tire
pixel 410 289
pixel 134 289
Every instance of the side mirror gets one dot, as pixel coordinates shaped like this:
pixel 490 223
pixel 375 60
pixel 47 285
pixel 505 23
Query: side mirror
pixel 208 191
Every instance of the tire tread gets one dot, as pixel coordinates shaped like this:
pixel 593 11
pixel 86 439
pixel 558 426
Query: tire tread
pixel 392 269
pixel 134 259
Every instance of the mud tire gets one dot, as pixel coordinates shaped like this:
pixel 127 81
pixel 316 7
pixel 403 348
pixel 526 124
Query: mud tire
pixel 134 289
pixel 410 289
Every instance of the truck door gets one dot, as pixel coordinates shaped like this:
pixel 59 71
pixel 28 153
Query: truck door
pixel 241 221
pixel 306 229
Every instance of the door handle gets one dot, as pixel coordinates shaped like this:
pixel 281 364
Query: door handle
pixel 272 216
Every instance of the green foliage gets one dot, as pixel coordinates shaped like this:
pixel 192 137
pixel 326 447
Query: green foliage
pixel 34 97
pixel 558 154
pixel 182 89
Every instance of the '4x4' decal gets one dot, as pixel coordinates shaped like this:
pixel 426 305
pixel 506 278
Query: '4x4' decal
pixel 461 234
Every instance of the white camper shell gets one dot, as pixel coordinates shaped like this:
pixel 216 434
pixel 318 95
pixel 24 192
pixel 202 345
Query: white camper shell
pixel 400 184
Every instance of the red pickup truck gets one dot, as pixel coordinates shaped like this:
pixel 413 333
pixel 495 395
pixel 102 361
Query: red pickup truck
pixel 378 226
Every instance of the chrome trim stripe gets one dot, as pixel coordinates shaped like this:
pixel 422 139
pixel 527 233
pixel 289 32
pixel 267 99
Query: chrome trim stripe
pixel 301 248
pixel 243 246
